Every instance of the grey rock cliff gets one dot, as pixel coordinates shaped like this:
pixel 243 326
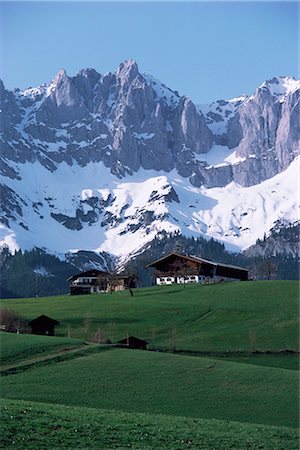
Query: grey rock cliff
pixel 271 134
pixel 130 121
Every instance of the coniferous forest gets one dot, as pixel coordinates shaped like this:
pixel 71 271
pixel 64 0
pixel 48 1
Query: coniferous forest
pixel 36 273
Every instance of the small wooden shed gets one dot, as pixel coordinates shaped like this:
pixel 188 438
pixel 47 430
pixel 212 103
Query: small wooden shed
pixel 43 325
pixel 134 342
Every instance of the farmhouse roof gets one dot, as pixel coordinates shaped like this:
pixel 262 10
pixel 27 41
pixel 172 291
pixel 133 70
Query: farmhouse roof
pixel 88 273
pixel 96 273
pixel 196 259
pixel 43 319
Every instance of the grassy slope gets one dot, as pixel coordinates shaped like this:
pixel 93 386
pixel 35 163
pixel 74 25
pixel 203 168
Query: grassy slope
pixel 162 383
pixel 283 361
pixel 41 426
pixel 17 347
pixel 235 316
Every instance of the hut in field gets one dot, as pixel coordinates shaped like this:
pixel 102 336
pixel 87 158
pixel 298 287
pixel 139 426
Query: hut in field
pixel 43 325
pixel 134 342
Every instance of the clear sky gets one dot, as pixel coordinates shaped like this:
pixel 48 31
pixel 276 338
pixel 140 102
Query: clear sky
pixel 205 50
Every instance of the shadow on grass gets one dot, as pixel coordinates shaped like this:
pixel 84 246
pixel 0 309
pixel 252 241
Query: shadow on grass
pixel 157 292
pixel 97 321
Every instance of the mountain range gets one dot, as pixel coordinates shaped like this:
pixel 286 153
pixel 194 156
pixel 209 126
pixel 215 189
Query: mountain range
pixel 106 163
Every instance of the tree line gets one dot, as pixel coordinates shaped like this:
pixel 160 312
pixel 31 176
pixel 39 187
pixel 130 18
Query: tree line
pixel 36 273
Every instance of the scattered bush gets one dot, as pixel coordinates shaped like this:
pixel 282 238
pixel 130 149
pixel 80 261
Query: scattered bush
pixel 11 321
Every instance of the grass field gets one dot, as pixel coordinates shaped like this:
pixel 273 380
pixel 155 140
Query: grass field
pixel 282 361
pixel 230 316
pixel 104 397
pixel 45 426
pixel 17 347
pixel 160 383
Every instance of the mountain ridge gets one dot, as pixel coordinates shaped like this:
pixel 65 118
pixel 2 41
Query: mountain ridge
pixel 175 130
pixel 107 162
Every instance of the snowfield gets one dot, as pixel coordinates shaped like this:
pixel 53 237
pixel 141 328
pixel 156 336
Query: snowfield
pixel 135 209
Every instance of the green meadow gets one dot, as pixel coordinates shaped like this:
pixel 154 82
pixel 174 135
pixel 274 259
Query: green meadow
pixel 31 425
pixel 224 373
pixel 159 383
pixel 229 316
pixel 18 347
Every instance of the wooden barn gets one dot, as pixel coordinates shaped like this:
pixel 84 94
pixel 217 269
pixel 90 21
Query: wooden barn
pixel 43 325
pixel 134 342
pixel 96 281
pixel 179 269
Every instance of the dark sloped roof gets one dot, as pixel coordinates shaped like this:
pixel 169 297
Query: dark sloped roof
pixel 88 273
pixel 43 319
pixel 132 339
pixel 196 259
pixel 221 264
pixel 96 272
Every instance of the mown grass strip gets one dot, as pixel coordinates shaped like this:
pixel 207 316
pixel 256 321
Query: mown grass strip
pixel 64 355
pixel 17 347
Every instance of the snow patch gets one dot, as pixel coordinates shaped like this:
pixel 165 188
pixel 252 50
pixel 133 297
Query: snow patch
pixel 163 92
pixel 43 272
pixel 218 114
pixel 219 156
pixel 144 136
pixel 281 86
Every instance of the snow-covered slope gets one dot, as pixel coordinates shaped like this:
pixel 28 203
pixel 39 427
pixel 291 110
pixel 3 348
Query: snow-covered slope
pixel 78 208
pixel 218 114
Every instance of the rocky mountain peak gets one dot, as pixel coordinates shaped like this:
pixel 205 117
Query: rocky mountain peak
pixel 60 76
pixel 130 121
pixel 127 71
pixel 280 86
pixel 89 73
pixel 2 88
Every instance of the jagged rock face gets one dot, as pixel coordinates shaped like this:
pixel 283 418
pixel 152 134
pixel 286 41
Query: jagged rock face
pixel 263 129
pixel 271 133
pixel 288 131
pixel 130 121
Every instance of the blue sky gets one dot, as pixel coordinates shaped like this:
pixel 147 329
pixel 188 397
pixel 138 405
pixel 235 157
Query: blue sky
pixel 206 50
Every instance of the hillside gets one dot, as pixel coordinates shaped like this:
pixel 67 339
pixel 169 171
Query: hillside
pixel 230 316
pixel 225 375
pixel 78 426
pixel 282 240
pixel 161 383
